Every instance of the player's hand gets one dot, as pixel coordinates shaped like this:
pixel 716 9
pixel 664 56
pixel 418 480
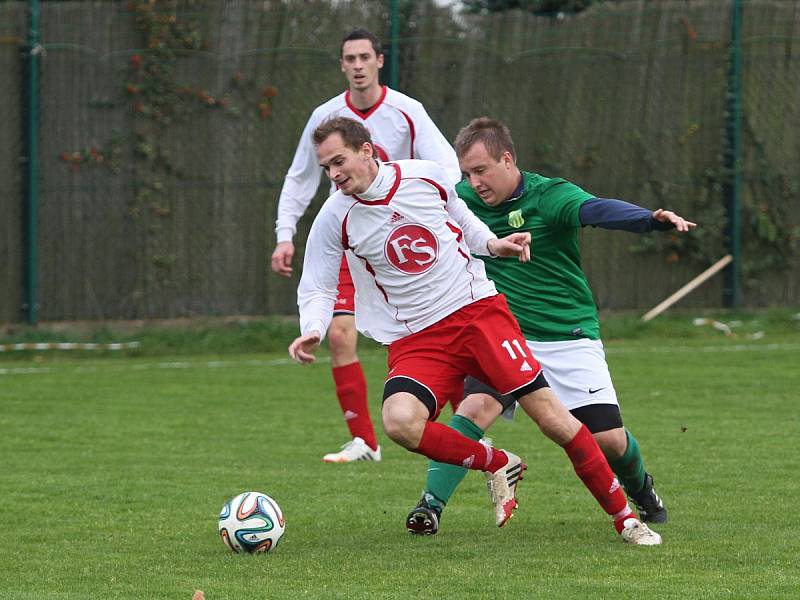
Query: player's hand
pixel 282 258
pixel 302 348
pixel 667 216
pixel 517 244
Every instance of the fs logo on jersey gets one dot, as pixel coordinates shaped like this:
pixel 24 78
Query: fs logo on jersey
pixel 411 249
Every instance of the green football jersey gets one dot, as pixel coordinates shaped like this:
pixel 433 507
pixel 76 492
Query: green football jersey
pixel 549 296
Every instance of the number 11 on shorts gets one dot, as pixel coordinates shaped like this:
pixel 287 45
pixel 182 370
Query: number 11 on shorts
pixel 508 346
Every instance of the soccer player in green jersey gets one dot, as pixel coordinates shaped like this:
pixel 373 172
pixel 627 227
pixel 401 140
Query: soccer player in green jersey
pixel 551 299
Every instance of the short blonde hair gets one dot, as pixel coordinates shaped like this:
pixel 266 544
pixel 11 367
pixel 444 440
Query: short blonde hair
pixel 494 134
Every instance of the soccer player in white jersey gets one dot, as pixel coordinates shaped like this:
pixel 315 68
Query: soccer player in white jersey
pixel 400 129
pixel 409 240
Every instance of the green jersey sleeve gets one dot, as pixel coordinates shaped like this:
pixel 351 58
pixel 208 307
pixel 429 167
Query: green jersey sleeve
pixel 560 203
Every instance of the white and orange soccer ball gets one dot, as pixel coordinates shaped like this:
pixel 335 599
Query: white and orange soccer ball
pixel 251 522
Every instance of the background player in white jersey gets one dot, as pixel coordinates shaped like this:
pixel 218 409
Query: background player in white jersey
pixel 408 240
pixel 564 335
pixel 400 129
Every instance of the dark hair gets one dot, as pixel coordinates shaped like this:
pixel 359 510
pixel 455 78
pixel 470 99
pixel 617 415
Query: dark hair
pixel 353 133
pixel 494 134
pixel 362 34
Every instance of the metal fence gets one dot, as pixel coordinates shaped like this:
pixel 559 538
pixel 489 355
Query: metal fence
pixel 166 128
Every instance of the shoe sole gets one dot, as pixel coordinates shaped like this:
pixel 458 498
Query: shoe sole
pixel 419 523
pixel 509 511
pixel 649 542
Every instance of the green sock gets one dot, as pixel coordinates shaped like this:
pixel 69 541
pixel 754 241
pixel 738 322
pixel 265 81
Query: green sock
pixel 630 466
pixel 443 478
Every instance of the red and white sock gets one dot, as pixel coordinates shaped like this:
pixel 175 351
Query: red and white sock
pixel 620 518
pixel 351 390
pixel 592 467
pixel 444 444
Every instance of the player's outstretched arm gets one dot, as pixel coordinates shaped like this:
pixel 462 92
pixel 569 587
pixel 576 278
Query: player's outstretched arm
pixel 282 258
pixel 517 244
pixel 302 348
pixel 609 213
pixel 667 216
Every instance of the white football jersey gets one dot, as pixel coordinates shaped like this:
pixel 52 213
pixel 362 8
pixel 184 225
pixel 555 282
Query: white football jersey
pixel 408 242
pixel 400 129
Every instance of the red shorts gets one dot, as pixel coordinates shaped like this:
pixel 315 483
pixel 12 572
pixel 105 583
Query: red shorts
pixel 481 339
pixel 346 300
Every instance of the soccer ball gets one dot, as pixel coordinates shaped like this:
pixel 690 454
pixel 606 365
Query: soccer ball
pixel 251 522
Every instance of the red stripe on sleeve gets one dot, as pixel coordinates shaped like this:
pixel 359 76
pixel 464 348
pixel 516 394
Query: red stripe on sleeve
pixel 456 230
pixel 345 242
pixel 412 131
pixel 442 192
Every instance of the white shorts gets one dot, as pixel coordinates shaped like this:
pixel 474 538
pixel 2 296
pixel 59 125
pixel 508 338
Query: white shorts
pixel 577 371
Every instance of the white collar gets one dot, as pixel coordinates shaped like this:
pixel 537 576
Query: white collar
pixel 381 185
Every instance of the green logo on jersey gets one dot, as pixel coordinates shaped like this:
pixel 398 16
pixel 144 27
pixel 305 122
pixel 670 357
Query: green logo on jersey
pixel 515 219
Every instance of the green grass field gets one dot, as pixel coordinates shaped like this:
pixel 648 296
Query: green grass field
pixel 114 470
